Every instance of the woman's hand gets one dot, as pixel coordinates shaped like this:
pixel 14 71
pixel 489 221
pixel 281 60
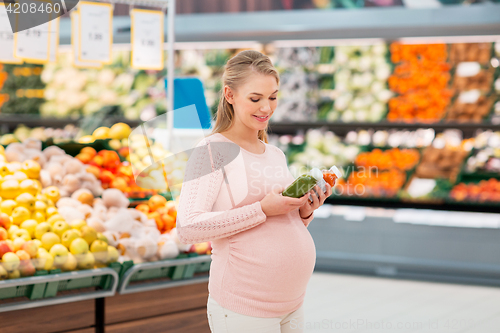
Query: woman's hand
pixel 274 203
pixel 309 207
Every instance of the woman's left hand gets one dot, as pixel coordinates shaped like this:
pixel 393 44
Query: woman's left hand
pixel 309 207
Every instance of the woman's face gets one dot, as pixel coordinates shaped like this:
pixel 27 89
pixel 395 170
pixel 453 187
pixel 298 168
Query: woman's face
pixel 254 101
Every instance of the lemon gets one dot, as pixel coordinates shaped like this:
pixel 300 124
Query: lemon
pixel 86 139
pixel 119 131
pixel 101 133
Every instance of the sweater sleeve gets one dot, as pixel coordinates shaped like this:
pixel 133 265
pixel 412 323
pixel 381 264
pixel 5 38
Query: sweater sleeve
pixel 196 222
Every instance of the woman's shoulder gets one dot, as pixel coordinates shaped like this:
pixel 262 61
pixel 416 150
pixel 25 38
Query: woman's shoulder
pixel 214 137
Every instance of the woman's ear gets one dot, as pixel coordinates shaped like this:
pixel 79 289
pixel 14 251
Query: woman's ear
pixel 228 93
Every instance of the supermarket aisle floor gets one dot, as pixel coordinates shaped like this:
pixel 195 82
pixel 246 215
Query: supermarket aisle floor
pixel 347 303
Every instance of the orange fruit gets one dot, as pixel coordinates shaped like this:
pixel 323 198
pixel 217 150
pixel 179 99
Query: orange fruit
pixel 156 201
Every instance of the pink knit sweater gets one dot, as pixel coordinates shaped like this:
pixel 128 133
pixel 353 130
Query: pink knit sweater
pixel 260 265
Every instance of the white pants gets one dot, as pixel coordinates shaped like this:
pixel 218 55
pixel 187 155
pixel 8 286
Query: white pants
pixel 222 320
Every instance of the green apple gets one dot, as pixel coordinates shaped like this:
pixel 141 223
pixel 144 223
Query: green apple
pixel 85 261
pixel 38 242
pixel 14 274
pixel 30 225
pixel 21 233
pixel 60 254
pixel 49 239
pixel 68 236
pixel 70 264
pixel 79 246
pixel 46 261
pixel 89 234
pixel 100 250
pixel 60 227
pixel 41 229
pixel 102 237
pixel 112 254
pixel 3 273
pixel 10 261
pixel 78 224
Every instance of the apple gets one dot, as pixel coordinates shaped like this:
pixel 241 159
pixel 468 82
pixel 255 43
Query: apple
pixel 23 255
pixel 52 193
pixel 77 224
pixel 38 242
pixel 100 250
pixel 5 221
pixel 60 227
pixel 30 225
pixel 40 206
pixel 7 206
pixel 31 248
pixel 46 261
pixel 27 268
pixel 89 234
pixel 79 246
pixel 5 248
pixel 38 216
pixel 49 239
pixel 20 214
pixel 10 261
pixel 85 261
pixel 102 237
pixel 3 234
pixel 12 229
pixel 41 229
pixel 68 236
pixel 54 218
pixel 14 274
pixel 112 254
pixel 21 233
pixel 3 273
pixel 50 211
pixel 70 264
pixel 18 243
pixel 60 254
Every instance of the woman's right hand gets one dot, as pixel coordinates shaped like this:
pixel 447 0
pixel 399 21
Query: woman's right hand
pixel 274 203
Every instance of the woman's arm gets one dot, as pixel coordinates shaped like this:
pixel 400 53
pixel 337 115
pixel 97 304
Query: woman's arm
pixel 307 220
pixel 196 222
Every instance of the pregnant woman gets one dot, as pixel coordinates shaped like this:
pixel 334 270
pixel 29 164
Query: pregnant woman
pixel 262 253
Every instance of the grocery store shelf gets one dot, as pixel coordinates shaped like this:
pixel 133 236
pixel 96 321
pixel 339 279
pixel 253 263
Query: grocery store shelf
pixel 343 128
pixel 53 280
pixel 9 122
pixel 387 23
pixel 395 203
pixel 126 287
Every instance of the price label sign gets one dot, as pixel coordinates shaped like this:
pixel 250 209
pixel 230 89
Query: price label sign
pixel 95 32
pixel 75 27
pixel 6 39
pixel 33 45
pixel 147 39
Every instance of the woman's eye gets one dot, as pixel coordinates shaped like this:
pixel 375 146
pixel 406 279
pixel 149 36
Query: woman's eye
pixel 254 100
pixel 272 98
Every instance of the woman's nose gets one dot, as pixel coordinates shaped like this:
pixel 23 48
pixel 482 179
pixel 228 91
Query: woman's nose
pixel 265 107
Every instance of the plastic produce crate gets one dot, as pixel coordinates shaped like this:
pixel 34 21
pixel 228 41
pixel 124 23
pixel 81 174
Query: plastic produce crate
pixel 32 291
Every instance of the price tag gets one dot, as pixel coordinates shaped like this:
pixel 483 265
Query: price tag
pixel 95 32
pixel 75 18
pixel 33 44
pixel 54 39
pixel 6 39
pixel 147 39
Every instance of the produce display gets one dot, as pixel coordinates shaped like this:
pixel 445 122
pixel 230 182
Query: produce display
pixel 484 191
pixel 360 83
pixel 442 163
pixel 421 78
pixel 486 155
pixel 403 159
pixel 21 89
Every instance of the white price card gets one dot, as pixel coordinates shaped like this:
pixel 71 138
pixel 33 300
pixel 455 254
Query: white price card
pixel 95 32
pixel 147 39
pixel 33 44
pixel 54 39
pixel 75 17
pixel 6 39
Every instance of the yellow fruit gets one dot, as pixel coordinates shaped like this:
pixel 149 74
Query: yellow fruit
pixel 21 233
pixel 41 229
pixel 79 246
pixel 20 214
pixel 4 170
pixel 115 144
pixel 40 206
pixel 119 131
pixel 13 167
pixel 88 234
pixel 9 189
pixel 78 224
pixel 30 225
pixel 50 211
pixel 29 186
pixel 101 133
pixel 86 139
pixel 54 218
pixel 45 259
pixel 31 169
pixel 52 193
pixel 6 206
pixel 70 264
pixel 26 200
pixel 20 176
pixel 12 229
pixel 68 236
pixel 38 216
pixel 49 239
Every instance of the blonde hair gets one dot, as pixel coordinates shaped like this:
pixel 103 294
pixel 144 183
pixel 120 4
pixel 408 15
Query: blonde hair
pixel 236 71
